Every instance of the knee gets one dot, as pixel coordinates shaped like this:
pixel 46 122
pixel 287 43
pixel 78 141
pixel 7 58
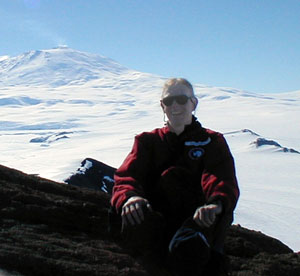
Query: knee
pixel 189 251
pixel 187 242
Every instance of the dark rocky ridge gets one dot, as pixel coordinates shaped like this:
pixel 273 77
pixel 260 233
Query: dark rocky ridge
pixel 49 228
pixel 259 142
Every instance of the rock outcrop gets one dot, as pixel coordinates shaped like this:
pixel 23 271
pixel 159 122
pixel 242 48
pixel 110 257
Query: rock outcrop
pixel 50 228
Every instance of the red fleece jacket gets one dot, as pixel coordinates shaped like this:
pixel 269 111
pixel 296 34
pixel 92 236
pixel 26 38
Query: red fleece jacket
pixel 203 152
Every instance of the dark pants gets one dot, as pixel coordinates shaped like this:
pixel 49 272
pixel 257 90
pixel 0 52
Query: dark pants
pixel 169 236
pixel 190 251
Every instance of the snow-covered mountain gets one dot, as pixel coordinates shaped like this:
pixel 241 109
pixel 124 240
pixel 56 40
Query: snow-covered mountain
pixel 60 106
pixel 56 67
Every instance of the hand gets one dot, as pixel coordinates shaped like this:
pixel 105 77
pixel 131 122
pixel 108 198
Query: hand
pixel 206 215
pixel 132 210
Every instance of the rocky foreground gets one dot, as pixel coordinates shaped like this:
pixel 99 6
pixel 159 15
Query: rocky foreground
pixel 49 228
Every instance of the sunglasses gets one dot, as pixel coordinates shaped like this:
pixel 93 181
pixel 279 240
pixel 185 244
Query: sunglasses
pixel 181 99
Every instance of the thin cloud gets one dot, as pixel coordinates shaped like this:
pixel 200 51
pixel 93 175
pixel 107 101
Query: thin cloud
pixel 39 30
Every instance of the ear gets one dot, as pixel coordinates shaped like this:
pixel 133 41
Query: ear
pixel 162 105
pixel 195 102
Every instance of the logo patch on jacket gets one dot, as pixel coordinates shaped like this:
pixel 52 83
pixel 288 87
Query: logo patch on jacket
pixel 196 153
pixel 198 143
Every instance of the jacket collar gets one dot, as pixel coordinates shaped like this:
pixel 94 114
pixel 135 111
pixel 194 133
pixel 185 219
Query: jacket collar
pixel 191 131
pixel 193 125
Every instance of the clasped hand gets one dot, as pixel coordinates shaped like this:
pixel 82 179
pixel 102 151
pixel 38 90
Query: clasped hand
pixel 205 216
pixel 132 210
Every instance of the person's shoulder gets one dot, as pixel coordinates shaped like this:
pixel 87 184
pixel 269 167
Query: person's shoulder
pixel 217 138
pixel 155 133
pixel 213 133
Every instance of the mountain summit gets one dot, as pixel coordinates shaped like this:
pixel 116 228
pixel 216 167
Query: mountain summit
pixel 56 67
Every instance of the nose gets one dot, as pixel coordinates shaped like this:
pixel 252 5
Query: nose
pixel 174 103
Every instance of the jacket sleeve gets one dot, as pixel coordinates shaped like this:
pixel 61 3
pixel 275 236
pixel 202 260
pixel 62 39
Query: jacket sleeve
pixel 130 177
pixel 219 178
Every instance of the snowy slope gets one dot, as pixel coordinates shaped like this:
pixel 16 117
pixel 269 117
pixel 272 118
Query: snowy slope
pixel 60 106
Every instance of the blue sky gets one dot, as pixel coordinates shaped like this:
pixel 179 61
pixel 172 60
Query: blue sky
pixel 248 44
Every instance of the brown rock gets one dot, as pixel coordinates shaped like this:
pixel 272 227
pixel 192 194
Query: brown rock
pixel 49 228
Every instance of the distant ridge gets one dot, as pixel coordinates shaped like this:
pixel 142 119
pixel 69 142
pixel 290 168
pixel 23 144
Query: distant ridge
pixel 243 131
pixel 260 142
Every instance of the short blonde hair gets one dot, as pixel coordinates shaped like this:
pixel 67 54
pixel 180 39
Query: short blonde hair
pixel 177 81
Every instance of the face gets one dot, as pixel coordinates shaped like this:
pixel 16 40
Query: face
pixel 179 114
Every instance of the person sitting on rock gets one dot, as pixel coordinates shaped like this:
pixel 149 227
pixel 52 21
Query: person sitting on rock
pixel 176 191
